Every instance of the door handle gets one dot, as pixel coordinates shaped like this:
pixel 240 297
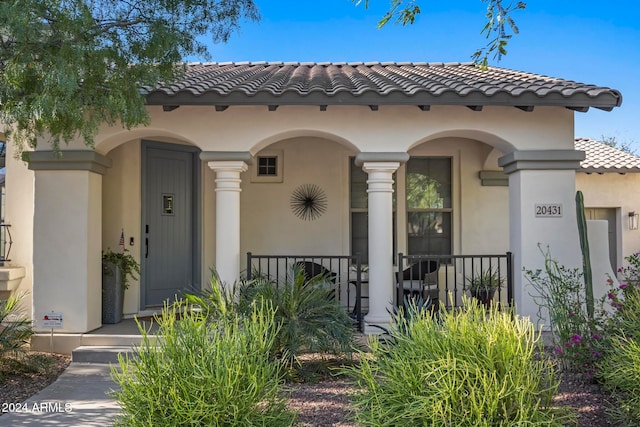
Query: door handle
pixel 146 247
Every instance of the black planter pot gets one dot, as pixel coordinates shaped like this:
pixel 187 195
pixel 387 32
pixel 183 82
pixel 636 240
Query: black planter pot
pixel 112 294
pixel 484 295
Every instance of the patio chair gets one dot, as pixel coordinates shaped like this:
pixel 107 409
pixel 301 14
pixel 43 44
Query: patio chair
pixel 419 280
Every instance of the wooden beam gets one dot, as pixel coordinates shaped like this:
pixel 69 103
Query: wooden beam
pixel 475 107
pixel 527 108
pixel 373 107
pixel 168 108
pixel 579 109
pixel 323 107
pixel 424 107
pixel 221 107
pixel 273 107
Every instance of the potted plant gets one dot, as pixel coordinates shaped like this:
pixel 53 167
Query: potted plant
pixel 483 285
pixel 117 269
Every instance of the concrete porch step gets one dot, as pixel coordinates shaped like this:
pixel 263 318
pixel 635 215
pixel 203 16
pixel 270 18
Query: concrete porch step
pixel 99 354
pixel 66 343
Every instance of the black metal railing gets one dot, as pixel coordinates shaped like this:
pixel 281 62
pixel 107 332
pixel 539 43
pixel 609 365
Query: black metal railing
pixel 5 243
pixel 344 271
pixel 447 278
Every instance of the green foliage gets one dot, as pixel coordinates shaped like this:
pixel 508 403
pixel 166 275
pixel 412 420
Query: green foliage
pixel 619 370
pixel 485 280
pixel 204 373
pixel 586 257
pixel 624 146
pixel 559 293
pixel 499 27
pixel 15 329
pixel 466 368
pixel 308 317
pixel 68 66
pixel 129 267
pixel 620 374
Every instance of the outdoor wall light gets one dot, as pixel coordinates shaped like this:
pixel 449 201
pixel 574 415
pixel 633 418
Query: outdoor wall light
pixel 633 220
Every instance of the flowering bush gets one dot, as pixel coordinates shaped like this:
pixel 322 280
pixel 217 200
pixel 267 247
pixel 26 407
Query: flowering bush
pixel 619 369
pixel 560 295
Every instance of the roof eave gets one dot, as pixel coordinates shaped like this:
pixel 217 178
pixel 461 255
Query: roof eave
pixel 580 102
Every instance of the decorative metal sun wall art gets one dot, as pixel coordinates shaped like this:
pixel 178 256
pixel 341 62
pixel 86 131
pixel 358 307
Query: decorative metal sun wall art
pixel 308 202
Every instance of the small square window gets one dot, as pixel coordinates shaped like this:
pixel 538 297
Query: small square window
pixel 268 166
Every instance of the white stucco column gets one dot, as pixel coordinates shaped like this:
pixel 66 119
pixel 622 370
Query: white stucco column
pixel 542 214
pixel 228 218
pixel 67 237
pixel 380 192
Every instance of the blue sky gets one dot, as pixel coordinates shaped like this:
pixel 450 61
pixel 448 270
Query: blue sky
pixel 595 42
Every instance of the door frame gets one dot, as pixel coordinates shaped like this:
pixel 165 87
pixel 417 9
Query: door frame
pixel 196 264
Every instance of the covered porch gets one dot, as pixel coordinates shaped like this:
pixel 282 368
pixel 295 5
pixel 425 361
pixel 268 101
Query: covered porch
pixel 393 169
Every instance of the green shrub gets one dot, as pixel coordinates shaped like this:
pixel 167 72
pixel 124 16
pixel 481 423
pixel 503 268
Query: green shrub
pixel 204 374
pixel 620 373
pixel 466 368
pixel 560 295
pixel 619 370
pixel 15 329
pixel 308 317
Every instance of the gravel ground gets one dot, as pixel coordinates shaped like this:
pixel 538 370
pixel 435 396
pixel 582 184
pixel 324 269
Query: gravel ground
pixel 326 403
pixel 17 387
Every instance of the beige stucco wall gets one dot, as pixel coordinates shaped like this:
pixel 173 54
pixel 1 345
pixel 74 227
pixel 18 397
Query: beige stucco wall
pixel 389 129
pixel 19 213
pixel 612 190
pixel 121 209
pixel 268 226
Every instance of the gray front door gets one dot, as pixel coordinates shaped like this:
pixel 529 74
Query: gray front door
pixel 169 223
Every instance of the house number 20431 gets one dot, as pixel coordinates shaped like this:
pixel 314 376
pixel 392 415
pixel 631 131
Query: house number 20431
pixel 548 210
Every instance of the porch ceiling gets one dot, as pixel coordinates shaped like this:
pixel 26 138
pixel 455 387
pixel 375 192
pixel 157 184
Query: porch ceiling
pixel 371 84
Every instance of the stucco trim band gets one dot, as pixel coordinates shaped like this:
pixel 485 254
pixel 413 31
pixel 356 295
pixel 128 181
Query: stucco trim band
pixel 84 160
pixel 494 179
pixel 541 160
pixel 227 156
pixel 400 157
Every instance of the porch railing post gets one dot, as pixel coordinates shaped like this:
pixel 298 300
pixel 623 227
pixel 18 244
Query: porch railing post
pixel 249 266
pixel 510 279
pixel 358 302
pixel 399 290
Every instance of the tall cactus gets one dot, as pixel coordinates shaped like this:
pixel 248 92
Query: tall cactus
pixel 586 258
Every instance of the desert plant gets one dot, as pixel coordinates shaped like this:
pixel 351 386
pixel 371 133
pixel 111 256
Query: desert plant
pixel 483 285
pixel 619 369
pixel 586 257
pixel 308 317
pixel 204 373
pixel 485 280
pixel 124 261
pixel 15 328
pixel 560 296
pixel 468 367
pixel 620 374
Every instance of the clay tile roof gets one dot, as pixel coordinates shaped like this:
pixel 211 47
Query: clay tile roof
pixel 601 158
pixel 374 83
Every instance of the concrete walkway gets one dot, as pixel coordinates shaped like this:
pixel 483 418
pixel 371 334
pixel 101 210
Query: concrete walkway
pixel 79 397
